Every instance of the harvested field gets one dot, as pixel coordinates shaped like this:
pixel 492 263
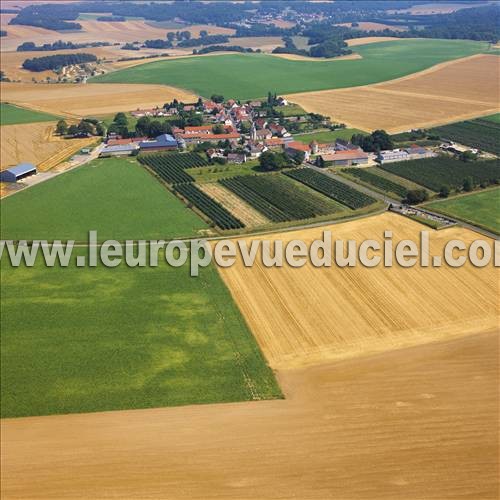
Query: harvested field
pixel 452 91
pixel 241 210
pixel 353 42
pixel 265 43
pixel 75 100
pixel 367 26
pixel 439 8
pixel 392 426
pixel 345 312
pixel 35 143
pixel 296 57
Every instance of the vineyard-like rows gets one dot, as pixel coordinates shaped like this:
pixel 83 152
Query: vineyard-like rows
pixel 170 166
pixel 385 185
pixel 480 134
pixel 433 173
pixel 212 209
pixel 332 188
pixel 277 198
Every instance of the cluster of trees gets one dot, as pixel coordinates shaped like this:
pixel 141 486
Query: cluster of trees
pixel 59 45
pixel 131 46
pixel 53 62
pixel 269 161
pixel 290 48
pixel 86 127
pixel 56 17
pixel 3 33
pixel 330 48
pixel 205 40
pixel 182 35
pixel 378 140
pixel 221 48
pixel 158 43
pixel 414 196
pixel 112 19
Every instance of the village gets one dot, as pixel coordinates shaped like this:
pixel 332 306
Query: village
pixel 236 133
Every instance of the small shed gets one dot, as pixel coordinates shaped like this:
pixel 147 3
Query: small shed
pixel 18 172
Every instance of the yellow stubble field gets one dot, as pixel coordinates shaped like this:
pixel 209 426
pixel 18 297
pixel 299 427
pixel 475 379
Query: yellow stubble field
pixel 451 91
pixel 36 143
pixel 309 315
pixel 75 100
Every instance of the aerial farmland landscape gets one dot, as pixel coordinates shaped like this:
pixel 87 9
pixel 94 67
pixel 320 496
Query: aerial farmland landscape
pixel 249 250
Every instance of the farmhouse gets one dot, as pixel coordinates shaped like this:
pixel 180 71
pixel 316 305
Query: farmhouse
pixel 164 142
pixel 18 172
pixel 414 152
pixel 119 150
pixel 392 155
pixel 255 149
pixel 236 158
pixel 343 158
pixel 294 147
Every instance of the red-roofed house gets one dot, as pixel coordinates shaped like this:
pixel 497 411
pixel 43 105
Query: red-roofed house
pixel 294 146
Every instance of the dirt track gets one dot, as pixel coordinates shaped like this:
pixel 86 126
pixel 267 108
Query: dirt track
pixel 413 424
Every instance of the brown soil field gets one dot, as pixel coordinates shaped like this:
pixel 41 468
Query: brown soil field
pixel 308 315
pixel 296 57
pixel 35 143
pixel 452 91
pixel 375 26
pixel 75 100
pixel 370 39
pixel 413 423
pixel 243 211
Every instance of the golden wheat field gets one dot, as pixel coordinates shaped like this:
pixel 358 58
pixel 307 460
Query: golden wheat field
pixel 368 26
pixel 451 91
pixel 414 423
pixel 309 315
pixel 35 143
pixel 75 100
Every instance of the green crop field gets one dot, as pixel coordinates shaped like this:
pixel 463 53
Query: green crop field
pixel 13 115
pixel 78 339
pixel 116 197
pixel 327 136
pixel 493 118
pixel 482 208
pixel 249 76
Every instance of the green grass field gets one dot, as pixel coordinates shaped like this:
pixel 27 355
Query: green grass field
pixel 83 340
pixel 116 197
pixel 492 118
pixel 482 208
pixel 249 76
pixel 13 115
pixel 327 136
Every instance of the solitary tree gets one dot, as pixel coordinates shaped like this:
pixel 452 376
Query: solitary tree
pixel 444 192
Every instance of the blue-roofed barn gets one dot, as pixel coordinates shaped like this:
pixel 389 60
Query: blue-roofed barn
pixel 163 142
pixel 14 174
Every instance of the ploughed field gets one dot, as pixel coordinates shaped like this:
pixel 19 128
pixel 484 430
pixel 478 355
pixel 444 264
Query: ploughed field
pixel 253 75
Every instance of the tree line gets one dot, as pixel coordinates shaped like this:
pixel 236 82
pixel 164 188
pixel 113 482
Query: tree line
pixel 59 45
pixel 57 61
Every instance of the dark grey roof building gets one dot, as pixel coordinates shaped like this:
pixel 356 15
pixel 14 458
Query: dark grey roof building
pixel 18 172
